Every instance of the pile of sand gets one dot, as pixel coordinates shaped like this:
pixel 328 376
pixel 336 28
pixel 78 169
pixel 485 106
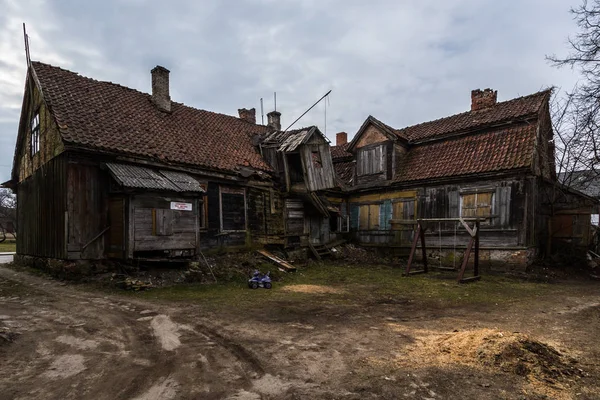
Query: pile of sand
pixel 317 289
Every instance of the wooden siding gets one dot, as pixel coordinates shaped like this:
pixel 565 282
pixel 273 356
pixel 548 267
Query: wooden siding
pixel 116 234
pixel 506 201
pixel 319 173
pixel 155 227
pixel 265 215
pixel 50 141
pixel 41 211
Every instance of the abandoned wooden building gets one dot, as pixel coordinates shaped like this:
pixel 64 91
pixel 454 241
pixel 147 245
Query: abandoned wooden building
pixel 102 171
pixel 495 162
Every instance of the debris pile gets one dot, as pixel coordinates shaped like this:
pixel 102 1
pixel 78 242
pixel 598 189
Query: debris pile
pixel 128 283
pixel 513 353
pixel 361 256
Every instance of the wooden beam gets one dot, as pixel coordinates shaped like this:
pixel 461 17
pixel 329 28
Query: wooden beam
pixel 424 250
pixel 466 259
pixel 413 249
pixel 472 232
pixel 476 261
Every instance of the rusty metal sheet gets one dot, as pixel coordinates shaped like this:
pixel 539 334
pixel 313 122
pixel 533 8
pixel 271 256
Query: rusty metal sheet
pixel 139 177
pixel 183 181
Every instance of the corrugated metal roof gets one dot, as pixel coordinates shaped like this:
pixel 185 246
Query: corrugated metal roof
pixel 183 181
pixel 133 176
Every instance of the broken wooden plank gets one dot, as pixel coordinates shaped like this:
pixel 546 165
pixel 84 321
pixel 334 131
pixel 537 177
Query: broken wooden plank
pixel 314 251
pixel 416 272
pixel 282 264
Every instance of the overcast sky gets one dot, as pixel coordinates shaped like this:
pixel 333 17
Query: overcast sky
pixel 404 62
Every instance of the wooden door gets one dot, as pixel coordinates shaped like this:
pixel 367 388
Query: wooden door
pixel 116 233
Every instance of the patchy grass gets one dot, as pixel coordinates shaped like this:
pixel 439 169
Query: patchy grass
pixel 8 246
pixel 355 285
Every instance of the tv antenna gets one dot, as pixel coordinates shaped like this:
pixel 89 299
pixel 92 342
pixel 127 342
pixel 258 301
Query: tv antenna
pixel 310 108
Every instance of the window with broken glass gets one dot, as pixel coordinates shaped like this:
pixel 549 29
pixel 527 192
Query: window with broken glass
pixel 35 134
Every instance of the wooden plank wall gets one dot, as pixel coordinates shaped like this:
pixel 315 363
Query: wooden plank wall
pixel 384 157
pixel 265 215
pixel 318 177
pixel 157 227
pixel 41 211
pixel 507 228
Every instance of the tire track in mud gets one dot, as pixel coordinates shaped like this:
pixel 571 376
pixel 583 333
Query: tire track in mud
pixel 129 359
pixel 255 366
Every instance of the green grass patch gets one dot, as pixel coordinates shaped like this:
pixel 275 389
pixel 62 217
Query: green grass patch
pixel 8 246
pixel 354 285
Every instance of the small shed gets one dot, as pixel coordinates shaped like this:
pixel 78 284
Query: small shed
pixel 153 213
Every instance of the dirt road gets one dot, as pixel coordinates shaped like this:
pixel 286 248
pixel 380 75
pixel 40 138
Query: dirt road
pixel 78 345
pixel 73 342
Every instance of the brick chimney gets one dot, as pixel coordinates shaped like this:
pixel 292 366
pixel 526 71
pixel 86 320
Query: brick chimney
pixel 274 120
pixel 160 88
pixel 481 99
pixel 341 138
pixel 248 115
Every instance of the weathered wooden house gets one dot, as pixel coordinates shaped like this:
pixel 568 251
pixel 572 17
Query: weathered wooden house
pixel 104 171
pixel 495 162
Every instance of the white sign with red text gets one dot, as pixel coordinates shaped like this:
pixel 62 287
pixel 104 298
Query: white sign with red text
pixel 181 206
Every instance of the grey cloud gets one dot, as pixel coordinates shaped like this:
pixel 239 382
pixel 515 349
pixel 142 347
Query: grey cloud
pixel 403 61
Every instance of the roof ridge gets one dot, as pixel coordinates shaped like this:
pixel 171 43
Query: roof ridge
pixel 138 91
pixel 539 93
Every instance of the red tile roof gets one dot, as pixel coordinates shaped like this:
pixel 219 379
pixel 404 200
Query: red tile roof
pixel 106 116
pixel 344 170
pixel 502 112
pixel 341 151
pixel 492 151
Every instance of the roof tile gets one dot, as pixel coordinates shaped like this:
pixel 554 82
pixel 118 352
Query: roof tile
pixel 111 117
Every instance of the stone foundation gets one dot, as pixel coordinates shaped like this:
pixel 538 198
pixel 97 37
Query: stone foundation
pixel 64 268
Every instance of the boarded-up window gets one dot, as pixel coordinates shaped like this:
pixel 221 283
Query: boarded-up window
pixel 404 209
pixel 370 160
pixel 368 217
pixel 476 205
pixel 385 215
pixel 233 209
pixel 162 222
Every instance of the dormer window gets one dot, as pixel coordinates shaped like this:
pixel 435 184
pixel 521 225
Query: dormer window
pixel 370 160
pixel 35 134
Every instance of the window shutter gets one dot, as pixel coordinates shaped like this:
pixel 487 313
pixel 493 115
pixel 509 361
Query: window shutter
pixel 385 214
